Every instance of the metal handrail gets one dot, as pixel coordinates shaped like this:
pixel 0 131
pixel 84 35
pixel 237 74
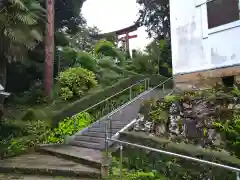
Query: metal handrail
pixel 107 140
pixel 95 105
pixel 174 154
pixel 150 90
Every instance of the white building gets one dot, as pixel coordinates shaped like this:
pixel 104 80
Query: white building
pixel 205 38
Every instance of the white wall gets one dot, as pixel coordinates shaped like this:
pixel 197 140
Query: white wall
pixel 194 46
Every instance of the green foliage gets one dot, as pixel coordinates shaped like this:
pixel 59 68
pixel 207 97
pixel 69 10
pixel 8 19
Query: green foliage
pixel 85 60
pixel 158 115
pixel 34 114
pixel 20 136
pixel 68 57
pixel 66 93
pixel 136 175
pixel 173 167
pixel 68 127
pixel 20 31
pixel 230 129
pixel 105 48
pixel 74 82
pixel 142 63
pixel 92 99
pixel 33 96
pixel 107 77
pixel 236 91
pixel 156 17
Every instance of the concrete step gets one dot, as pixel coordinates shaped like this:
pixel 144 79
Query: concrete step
pixel 115 123
pixel 94 134
pixel 88 139
pixel 99 129
pixel 44 164
pixel 88 157
pixel 85 144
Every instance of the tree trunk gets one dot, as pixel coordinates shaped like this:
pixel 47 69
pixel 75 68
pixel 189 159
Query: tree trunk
pixel 3 73
pixel 3 68
pixel 49 50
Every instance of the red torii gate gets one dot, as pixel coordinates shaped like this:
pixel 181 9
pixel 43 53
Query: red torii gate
pixel 124 31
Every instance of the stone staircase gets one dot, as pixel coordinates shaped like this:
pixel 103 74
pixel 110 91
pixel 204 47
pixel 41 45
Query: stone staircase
pixel 93 137
pixel 81 156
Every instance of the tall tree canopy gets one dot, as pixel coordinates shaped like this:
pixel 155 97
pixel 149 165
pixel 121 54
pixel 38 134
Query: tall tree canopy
pixel 19 30
pixel 67 14
pixel 154 14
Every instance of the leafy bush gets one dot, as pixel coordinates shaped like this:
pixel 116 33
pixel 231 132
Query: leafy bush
pixel 68 127
pixel 74 82
pixel 105 48
pixel 231 131
pixel 34 114
pixel 108 77
pixel 19 136
pixel 86 61
pixel 35 95
pixel 136 175
pixel 92 99
pixel 174 167
pixel 68 56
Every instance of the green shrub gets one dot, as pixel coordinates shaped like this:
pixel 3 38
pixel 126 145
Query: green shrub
pixel 231 131
pixel 68 56
pixel 174 167
pixel 66 93
pixel 157 79
pixel 92 99
pixel 74 82
pixel 86 61
pixel 19 136
pixel 34 114
pixel 68 127
pixel 105 48
pixel 35 95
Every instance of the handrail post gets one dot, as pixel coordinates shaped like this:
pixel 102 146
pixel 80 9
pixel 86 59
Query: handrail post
pixel 121 161
pixel 130 93
pixel 110 121
pixel 105 158
pixel 75 124
pixel 145 84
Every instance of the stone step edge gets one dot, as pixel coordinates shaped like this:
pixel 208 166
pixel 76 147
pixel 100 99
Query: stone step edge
pixel 70 157
pixel 49 172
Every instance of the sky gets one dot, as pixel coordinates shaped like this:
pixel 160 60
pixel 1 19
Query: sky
pixel 111 15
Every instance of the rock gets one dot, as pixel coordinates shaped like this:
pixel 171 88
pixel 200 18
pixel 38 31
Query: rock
pixel 174 123
pixel 160 130
pixel 190 128
pixel 143 125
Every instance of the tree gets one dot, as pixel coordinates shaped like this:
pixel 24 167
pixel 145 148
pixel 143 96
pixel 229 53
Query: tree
pixel 83 38
pixel 67 14
pixel 160 53
pixel 19 31
pixel 155 15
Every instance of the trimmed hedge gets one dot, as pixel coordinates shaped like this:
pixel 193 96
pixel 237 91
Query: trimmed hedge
pixel 92 99
pixel 118 69
pixel 157 79
pixel 174 167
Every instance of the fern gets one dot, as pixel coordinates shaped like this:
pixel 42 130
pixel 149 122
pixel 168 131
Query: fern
pixel 20 19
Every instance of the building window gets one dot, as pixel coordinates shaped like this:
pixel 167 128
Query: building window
pixel 221 12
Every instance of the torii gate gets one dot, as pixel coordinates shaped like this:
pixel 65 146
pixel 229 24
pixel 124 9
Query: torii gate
pixel 127 37
pixel 124 31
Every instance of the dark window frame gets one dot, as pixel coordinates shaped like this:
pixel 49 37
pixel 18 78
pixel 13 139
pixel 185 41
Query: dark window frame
pixel 222 13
